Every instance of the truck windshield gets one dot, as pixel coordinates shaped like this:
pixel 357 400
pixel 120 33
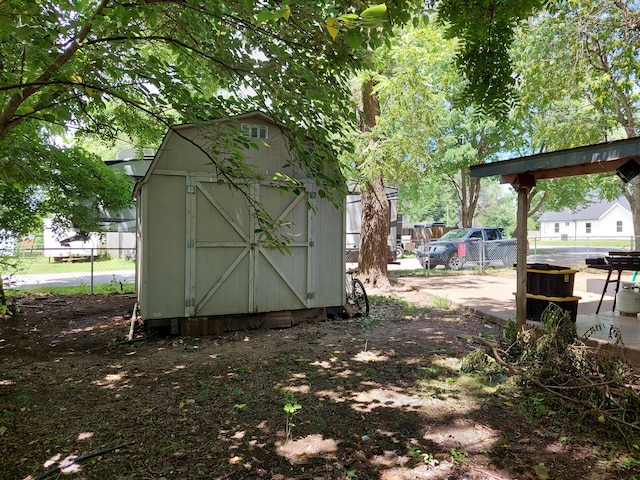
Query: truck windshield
pixel 457 233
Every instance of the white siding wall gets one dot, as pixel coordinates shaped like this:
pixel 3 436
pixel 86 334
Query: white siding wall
pixel 607 226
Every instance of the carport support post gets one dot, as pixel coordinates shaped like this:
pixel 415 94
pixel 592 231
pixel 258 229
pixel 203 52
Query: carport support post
pixel 522 183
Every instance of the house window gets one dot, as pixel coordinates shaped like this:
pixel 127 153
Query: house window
pixel 566 224
pixel 619 226
pixel 556 227
pixel 255 131
pixel 588 227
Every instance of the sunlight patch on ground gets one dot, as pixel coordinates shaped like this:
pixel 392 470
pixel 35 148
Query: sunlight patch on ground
pixel 332 395
pixel 111 379
pixel 66 464
pixel 423 472
pixel 370 356
pixel 384 397
pixel 76 330
pixel 473 437
pixel 324 364
pixel 413 361
pixel 175 369
pixel 389 459
pixel 448 362
pixel 304 389
pixel 301 450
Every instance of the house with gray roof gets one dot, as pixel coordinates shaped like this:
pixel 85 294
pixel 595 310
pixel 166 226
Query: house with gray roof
pixel 600 219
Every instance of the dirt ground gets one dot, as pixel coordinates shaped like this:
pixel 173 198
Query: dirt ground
pixel 368 398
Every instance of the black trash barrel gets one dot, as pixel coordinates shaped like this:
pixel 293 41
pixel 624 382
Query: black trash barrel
pixel 550 284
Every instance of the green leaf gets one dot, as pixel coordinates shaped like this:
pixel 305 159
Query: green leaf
pixel 354 38
pixel 541 471
pixel 376 11
pixel 265 16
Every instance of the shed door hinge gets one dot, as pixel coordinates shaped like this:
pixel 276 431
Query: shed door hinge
pixel 312 194
pixel 191 189
pixel 189 302
pixel 311 295
pixel 190 243
pixel 312 243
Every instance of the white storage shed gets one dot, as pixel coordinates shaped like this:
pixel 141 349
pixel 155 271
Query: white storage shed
pixel 203 267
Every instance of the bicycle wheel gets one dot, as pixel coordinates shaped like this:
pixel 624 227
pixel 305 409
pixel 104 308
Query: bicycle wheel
pixel 360 298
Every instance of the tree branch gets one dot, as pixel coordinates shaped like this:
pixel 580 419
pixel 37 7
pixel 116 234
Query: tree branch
pixel 18 98
pixel 80 459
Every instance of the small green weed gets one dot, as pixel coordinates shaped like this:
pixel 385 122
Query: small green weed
pixel 243 399
pixel 174 446
pixel 203 392
pixel 291 408
pixel 458 456
pixel 441 302
pixel 412 311
pixel 117 286
pixel 426 458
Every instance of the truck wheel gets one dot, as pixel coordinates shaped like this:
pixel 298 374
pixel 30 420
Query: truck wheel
pixel 455 262
pixel 399 252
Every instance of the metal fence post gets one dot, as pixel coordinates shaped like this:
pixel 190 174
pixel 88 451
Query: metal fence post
pixel 91 272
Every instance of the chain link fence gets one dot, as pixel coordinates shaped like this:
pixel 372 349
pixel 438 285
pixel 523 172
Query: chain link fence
pixel 568 252
pixel 77 270
pixel 98 270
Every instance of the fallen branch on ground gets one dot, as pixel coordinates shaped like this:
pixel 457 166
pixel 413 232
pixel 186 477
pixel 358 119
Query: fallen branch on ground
pixel 80 459
pixel 517 371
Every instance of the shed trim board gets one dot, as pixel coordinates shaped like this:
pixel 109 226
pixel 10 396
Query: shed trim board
pixel 523 172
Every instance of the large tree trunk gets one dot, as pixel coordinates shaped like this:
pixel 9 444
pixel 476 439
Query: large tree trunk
pixel 374 229
pixel 468 195
pixel 634 203
pixel 372 259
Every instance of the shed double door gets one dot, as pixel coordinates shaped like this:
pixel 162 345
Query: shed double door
pixel 229 267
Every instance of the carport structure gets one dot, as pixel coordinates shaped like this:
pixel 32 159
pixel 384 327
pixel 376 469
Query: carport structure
pixel 621 157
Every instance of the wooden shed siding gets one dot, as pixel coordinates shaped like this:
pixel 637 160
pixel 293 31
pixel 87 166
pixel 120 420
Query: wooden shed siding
pixel 163 263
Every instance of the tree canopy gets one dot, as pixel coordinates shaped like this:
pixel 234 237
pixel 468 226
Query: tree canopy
pixel 115 69
pixel 486 31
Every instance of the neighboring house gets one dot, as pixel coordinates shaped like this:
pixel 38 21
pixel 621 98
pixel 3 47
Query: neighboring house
pixel 602 219
pixel 120 228
pixel 117 230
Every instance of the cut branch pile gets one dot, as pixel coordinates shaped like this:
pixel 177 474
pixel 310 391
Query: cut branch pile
pixel 590 385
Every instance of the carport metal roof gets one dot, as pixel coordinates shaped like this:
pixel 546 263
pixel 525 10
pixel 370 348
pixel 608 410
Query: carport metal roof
pixel 585 160
pixel 621 156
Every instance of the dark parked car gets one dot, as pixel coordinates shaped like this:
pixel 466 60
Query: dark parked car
pixel 478 245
